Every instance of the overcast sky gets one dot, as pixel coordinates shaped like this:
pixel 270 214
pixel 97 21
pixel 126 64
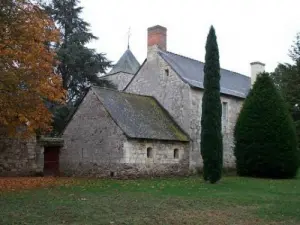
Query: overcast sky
pixel 247 30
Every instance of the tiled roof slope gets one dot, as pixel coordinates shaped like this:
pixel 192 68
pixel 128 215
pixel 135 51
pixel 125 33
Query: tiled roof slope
pixel 127 64
pixel 140 116
pixel 191 72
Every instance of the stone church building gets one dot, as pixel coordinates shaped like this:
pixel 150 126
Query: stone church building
pixel 151 124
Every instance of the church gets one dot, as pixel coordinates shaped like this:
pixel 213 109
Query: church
pixel 150 125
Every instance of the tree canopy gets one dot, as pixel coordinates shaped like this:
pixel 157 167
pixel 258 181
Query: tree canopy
pixel 27 59
pixel 287 79
pixel 79 65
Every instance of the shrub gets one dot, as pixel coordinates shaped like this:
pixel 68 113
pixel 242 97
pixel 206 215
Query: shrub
pixel 265 137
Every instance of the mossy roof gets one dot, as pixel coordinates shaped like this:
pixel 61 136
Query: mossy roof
pixel 140 116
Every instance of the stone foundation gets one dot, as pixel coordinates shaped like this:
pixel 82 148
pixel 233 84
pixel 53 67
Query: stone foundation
pixel 124 170
pixel 133 160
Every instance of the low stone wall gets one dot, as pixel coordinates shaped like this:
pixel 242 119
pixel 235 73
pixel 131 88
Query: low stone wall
pixel 20 157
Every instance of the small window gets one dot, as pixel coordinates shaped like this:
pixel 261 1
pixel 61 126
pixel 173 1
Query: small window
pixel 167 72
pixel 224 115
pixel 224 111
pixel 176 153
pixel 149 153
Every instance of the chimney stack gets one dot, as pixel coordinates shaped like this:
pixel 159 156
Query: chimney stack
pixel 256 68
pixel 157 38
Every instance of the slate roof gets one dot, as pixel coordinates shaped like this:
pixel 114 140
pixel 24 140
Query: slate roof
pixel 140 116
pixel 127 64
pixel 191 72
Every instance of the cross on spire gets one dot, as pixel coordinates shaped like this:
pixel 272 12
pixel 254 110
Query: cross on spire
pixel 128 36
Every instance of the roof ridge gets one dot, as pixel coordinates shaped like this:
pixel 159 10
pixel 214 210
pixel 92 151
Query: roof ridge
pixel 110 74
pixel 182 56
pixel 202 62
pixel 122 92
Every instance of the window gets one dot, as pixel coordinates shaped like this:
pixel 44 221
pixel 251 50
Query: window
pixel 176 153
pixel 224 114
pixel 167 72
pixel 149 153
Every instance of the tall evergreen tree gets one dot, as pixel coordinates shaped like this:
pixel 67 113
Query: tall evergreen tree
pixel 265 138
pixel 79 65
pixel 211 137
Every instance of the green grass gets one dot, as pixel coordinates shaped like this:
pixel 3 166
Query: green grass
pixel 156 201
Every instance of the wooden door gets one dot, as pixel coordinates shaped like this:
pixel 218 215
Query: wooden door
pixel 51 161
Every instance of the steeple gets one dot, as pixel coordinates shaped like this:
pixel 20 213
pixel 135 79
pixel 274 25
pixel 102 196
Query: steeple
pixel 128 35
pixel 126 64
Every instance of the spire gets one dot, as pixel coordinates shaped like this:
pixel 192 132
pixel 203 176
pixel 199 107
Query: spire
pixel 128 35
pixel 127 64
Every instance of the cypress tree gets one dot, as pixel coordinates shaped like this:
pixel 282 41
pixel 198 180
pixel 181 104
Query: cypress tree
pixel 265 136
pixel 211 137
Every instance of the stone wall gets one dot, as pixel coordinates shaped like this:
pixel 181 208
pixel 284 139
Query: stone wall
pixel 93 142
pixel 167 88
pixel 234 105
pixel 163 161
pixel 95 146
pixel 20 157
pixel 135 162
pixel 183 103
pixel 119 79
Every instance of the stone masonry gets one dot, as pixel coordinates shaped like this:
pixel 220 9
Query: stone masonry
pixel 119 79
pixel 89 144
pixel 234 105
pixel 96 146
pixel 20 157
pixel 162 160
pixel 183 103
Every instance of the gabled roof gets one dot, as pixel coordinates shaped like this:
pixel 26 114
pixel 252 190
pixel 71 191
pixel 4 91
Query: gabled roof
pixel 192 72
pixel 127 64
pixel 140 116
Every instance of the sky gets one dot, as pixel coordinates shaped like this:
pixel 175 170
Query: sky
pixel 247 30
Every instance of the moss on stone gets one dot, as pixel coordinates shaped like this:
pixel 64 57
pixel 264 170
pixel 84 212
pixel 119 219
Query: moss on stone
pixel 140 116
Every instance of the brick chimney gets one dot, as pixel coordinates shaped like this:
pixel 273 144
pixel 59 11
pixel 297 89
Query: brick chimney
pixel 256 68
pixel 157 38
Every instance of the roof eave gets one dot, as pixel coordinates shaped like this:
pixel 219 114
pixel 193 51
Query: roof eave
pixel 222 93
pixel 157 139
pixel 240 96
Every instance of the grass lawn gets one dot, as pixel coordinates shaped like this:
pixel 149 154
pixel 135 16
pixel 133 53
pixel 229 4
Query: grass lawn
pixel 155 201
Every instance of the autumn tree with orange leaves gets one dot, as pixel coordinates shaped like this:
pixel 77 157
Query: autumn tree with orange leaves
pixel 27 77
